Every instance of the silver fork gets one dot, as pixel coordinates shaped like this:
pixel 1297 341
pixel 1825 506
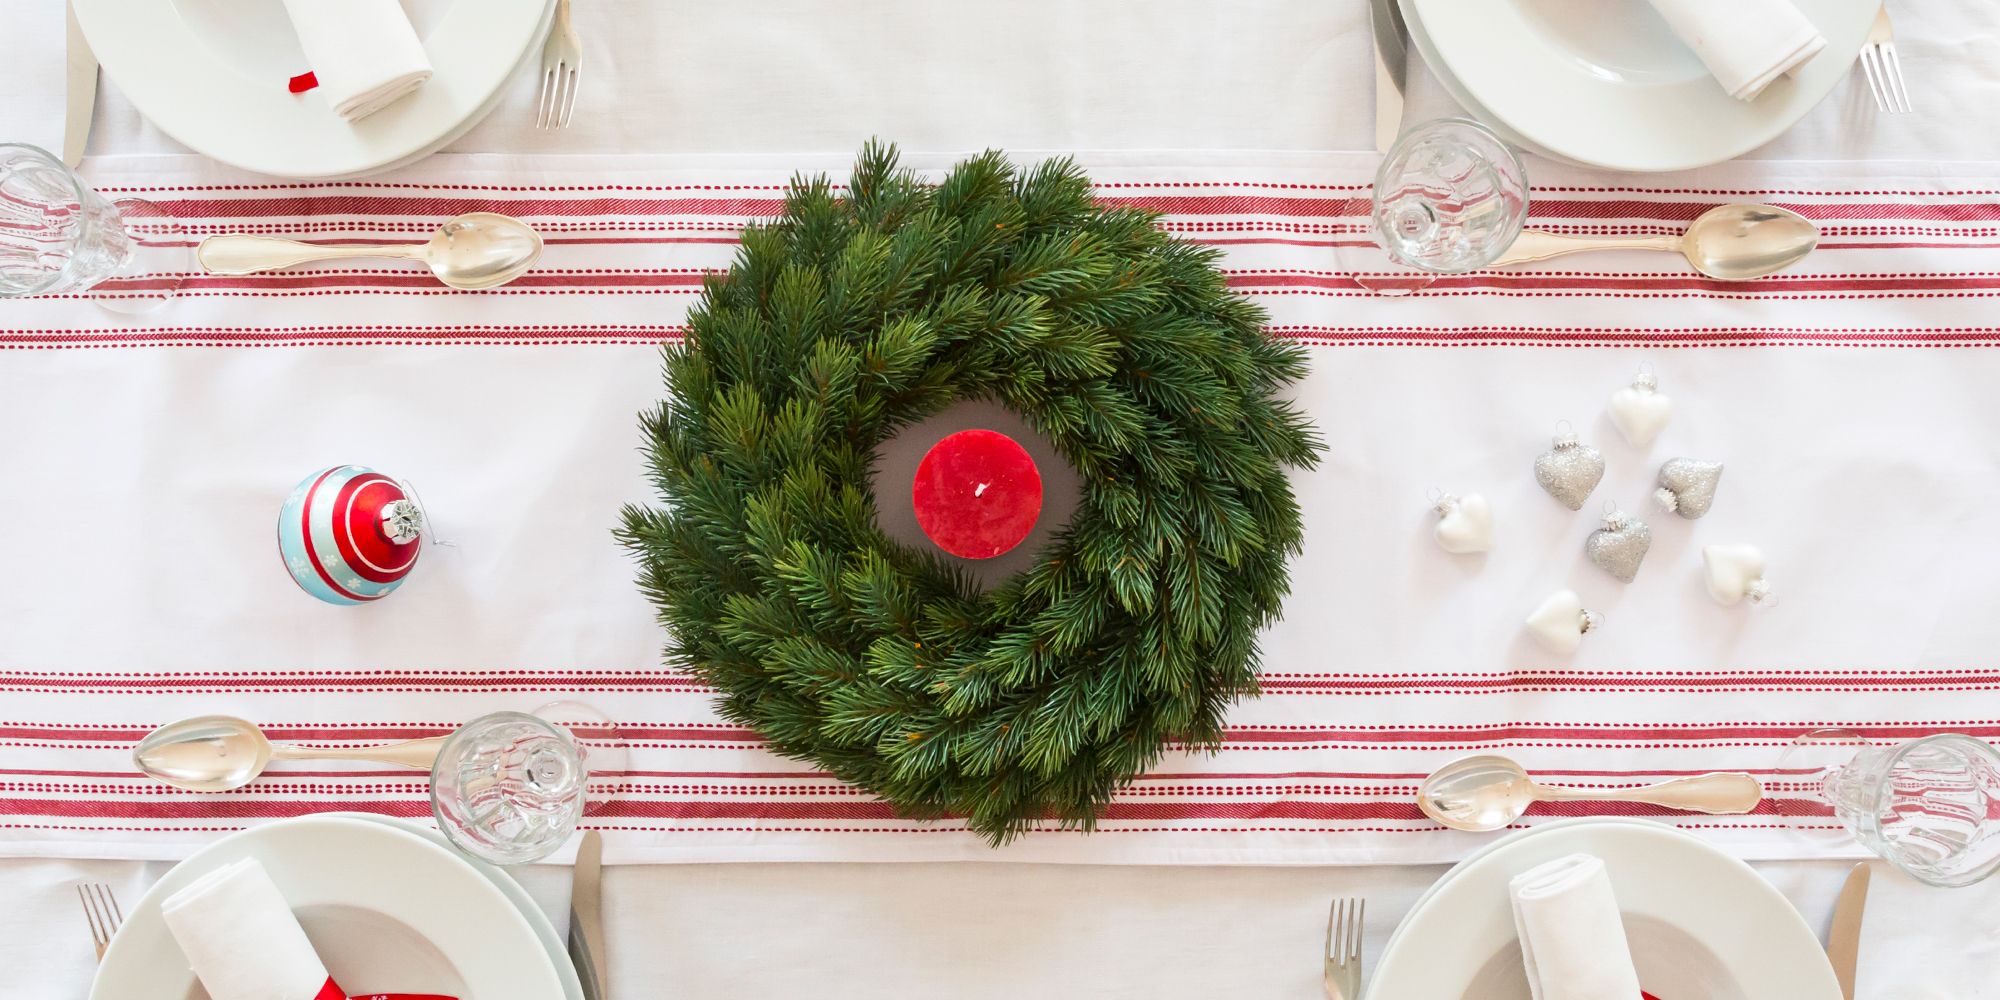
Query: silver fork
pixel 562 61
pixel 1885 71
pixel 100 908
pixel 1343 948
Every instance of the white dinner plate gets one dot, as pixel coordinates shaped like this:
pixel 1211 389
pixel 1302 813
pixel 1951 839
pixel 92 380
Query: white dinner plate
pixel 530 910
pixel 1605 83
pixel 1703 925
pixel 212 74
pixel 386 910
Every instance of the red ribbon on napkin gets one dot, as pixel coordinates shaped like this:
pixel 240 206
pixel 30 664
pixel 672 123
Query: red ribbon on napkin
pixel 332 991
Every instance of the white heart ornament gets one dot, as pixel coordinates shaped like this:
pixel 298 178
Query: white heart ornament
pixel 1465 524
pixel 1560 621
pixel 1735 572
pixel 1640 410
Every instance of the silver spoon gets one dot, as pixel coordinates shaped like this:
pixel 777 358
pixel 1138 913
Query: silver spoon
pixel 1728 242
pixel 475 250
pixel 1487 792
pixel 215 753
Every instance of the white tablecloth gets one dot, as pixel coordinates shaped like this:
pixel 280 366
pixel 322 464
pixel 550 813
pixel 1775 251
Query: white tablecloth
pixel 1276 75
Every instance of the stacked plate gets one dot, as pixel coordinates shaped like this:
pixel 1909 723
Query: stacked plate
pixel 213 75
pixel 1700 923
pixel 1605 83
pixel 388 906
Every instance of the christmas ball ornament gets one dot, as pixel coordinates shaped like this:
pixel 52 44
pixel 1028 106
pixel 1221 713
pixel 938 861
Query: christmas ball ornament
pixel 349 534
pixel 1569 470
pixel 1620 544
pixel 864 309
pixel 1465 524
pixel 977 494
pixel 1561 620
pixel 1734 572
pixel 1640 410
pixel 1687 486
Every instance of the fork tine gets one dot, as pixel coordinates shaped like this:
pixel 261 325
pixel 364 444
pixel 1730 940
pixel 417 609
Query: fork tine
pixel 117 915
pixel 89 915
pixel 569 99
pixel 1332 914
pixel 1360 917
pixel 1868 68
pixel 1893 65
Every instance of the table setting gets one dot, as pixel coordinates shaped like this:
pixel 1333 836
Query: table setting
pixel 584 498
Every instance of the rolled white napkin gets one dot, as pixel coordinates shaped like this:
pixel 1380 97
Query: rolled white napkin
pixel 1745 44
pixel 1572 941
pixel 363 52
pixel 241 939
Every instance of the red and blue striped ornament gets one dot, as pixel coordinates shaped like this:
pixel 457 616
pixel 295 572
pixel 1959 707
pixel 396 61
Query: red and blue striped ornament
pixel 349 534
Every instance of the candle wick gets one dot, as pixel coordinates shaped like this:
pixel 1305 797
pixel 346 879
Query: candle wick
pixel 979 490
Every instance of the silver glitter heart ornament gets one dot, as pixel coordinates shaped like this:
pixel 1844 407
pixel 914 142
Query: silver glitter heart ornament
pixel 1619 545
pixel 1687 486
pixel 1569 470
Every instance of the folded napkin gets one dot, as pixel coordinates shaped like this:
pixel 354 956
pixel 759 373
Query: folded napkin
pixel 1746 44
pixel 241 939
pixel 1572 941
pixel 363 52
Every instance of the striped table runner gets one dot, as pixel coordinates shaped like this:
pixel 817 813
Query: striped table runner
pixel 1850 399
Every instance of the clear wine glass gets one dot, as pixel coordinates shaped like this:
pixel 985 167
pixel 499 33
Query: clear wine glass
pixel 57 235
pixel 508 787
pixel 1449 197
pixel 1930 806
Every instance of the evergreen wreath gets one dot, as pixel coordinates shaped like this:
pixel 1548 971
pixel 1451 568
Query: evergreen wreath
pixel 853 316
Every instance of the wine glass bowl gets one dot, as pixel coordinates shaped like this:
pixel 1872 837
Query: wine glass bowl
pixel 1929 806
pixel 1449 197
pixel 59 236
pixel 508 787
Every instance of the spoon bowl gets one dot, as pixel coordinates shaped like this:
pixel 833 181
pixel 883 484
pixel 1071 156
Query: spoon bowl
pixel 1740 242
pixel 482 250
pixel 208 753
pixel 1477 793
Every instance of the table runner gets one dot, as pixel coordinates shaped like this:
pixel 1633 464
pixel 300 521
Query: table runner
pixel 1848 399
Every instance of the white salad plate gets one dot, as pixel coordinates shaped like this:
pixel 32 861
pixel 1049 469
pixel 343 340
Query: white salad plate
pixel 1701 923
pixel 385 909
pixel 213 73
pixel 1605 83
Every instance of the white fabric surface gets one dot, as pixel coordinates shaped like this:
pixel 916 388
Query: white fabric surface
pixel 511 411
pixel 1572 938
pixel 1745 44
pixel 364 53
pixel 799 75
pixel 240 937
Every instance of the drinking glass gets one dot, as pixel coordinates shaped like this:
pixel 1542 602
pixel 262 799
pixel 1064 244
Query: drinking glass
pixel 1449 197
pixel 508 787
pixel 1930 806
pixel 57 235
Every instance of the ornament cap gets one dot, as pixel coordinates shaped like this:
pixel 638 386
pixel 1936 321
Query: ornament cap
pixel 1667 499
pixel 1588 621
pixel 1645 381
pixel 1759 592
pixel 1445 503
pixel 402 521
pixel 1614 519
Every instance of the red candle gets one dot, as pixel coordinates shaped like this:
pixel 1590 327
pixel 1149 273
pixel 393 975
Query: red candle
pixel 977 494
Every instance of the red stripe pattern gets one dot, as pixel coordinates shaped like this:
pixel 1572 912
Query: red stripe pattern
pixel 1323 767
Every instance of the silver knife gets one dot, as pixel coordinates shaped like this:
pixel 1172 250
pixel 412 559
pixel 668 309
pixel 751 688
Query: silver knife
pixel 1843 939
pixel 586 916
pixel 82 96
pixel 1392 66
